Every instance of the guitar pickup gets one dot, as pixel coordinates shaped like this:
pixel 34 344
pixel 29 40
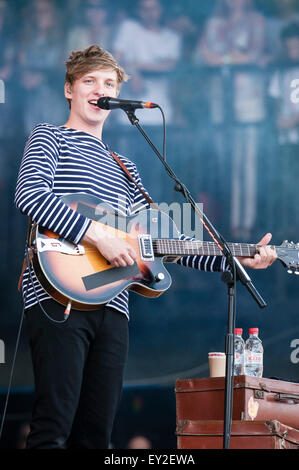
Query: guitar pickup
pixel 146 247
pixel 60 245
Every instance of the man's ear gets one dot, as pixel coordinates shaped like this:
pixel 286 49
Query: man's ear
pixel 67 90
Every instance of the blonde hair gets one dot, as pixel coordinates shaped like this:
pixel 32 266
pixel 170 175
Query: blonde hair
pixel 92 58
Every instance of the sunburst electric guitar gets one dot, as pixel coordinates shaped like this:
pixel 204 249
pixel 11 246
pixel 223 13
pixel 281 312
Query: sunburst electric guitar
pixel 78 275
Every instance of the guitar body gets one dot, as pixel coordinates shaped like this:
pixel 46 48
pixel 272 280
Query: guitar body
pixel 80 274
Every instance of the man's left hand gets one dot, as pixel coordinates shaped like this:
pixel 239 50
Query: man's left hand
pixel 264 258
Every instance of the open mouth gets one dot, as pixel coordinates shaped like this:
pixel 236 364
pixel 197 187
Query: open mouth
pixel 93 103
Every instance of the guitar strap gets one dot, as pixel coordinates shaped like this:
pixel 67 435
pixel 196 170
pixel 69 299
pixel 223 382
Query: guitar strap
pixel 168 259
pixel 123 166
pixel 30 253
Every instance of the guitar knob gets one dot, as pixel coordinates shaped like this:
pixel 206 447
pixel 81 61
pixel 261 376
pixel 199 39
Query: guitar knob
pixel 159 277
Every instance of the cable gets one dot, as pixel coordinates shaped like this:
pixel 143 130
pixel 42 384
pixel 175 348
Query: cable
pixel 164 133
pixel 19 335
pixel 11 373
pixel 39 303
pixel 14 356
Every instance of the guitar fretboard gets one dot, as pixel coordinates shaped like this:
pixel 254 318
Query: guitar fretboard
pixel 164 247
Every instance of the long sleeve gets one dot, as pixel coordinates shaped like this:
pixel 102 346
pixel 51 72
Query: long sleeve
pixel 34 192
pixel 202 263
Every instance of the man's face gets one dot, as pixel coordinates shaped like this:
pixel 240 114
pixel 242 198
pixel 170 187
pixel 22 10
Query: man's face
pixel 150 12
pixel 85 92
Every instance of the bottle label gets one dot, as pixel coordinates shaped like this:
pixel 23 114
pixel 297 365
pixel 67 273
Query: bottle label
pixel 254 358
pixel 238 358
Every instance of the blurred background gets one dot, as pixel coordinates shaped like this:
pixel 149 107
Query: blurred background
pixel 224 73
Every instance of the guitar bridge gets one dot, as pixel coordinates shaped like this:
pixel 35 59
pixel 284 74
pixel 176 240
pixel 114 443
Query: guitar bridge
pixel 146 247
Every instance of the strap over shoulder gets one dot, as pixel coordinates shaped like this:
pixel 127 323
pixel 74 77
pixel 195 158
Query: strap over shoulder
pixel 125 169
pixel 30 253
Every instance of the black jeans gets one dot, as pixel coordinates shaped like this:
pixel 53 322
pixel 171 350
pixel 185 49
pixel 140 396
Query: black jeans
pixel 78 371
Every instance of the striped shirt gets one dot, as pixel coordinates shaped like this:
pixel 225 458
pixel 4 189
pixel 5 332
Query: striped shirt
pixel 58 161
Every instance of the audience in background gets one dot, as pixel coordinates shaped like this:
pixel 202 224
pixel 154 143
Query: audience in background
pixel 185 25
pixel 147 49
pixel 8 125
pixel 180 21
pixel 7 69
pixel 286 12
pixel 287 121
pixel 95 27
pixel 235 36
pixel 149 52
pixel 40 52
pixel 159 51
pixel 7 43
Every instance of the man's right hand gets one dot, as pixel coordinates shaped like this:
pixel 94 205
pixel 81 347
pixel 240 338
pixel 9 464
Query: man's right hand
pixel 114 249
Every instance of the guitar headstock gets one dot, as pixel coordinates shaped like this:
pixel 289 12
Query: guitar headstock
pixel 288 254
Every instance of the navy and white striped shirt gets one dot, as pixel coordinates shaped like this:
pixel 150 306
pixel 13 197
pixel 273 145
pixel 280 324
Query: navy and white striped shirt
pixel 59 161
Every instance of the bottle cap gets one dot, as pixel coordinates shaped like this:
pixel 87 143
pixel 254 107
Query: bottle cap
pixel 253 331
pixel 238 331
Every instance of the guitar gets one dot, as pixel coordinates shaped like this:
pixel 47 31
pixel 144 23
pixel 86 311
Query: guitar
pixel 80 275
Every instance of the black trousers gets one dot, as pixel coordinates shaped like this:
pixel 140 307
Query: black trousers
pixel 78 371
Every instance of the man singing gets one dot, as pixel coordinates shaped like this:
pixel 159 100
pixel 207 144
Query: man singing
pixel 79 364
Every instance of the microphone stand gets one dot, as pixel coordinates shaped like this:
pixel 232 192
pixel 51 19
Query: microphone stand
pixel 228 277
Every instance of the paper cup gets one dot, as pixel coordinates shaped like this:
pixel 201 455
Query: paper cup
pixel 217 363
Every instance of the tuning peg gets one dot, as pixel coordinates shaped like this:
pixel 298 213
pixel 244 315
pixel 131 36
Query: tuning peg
pixel 289 271
pixel 297 272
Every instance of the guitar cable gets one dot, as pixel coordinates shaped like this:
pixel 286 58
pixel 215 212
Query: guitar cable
pixel 19 335
pixel 15 355
pixel 36 296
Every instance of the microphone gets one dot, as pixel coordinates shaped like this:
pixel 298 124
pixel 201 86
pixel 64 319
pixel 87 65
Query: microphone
pixel 106 102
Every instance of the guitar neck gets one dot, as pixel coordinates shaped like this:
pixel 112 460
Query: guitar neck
pixel 166 247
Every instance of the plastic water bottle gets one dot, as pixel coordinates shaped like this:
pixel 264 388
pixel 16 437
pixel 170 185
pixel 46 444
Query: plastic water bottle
pixel 253 364
pixel 239 352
